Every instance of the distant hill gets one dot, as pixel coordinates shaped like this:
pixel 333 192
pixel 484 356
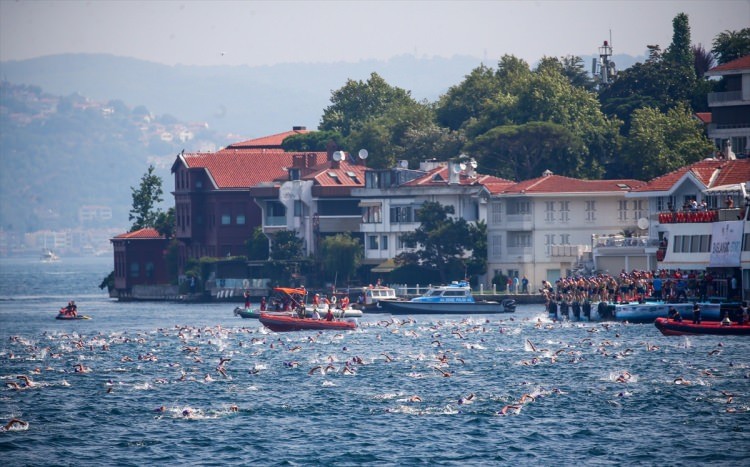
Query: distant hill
pixel 81 129
pixel 59 154
pixel 245 101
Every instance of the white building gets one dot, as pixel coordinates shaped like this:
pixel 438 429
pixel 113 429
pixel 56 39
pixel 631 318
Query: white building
pixel 544 228
pixel 391 198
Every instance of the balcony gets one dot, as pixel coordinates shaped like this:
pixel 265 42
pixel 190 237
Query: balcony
pixel 275 221
pixel 724 98
pixel 691 217
pixel 620 241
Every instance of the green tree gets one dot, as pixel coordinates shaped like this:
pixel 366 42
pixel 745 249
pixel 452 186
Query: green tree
pixel 286 246
pixel 731 45
pixel 662 142
pixel 520 152
pixel 144 212
pixel 358 102
pixel 679 53
pixel 165 223
pixel 442 243
pixel 314 141
pixel 257 245
pixel 467 99
pixel 341 255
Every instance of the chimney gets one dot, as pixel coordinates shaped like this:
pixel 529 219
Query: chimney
pixel 298 161
pixel 299 128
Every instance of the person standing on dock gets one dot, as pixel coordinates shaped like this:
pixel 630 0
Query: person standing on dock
pixel 696 314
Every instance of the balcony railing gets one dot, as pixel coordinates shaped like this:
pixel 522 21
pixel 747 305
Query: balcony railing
pixel 620 241
pixel 721 97
pixel 691 217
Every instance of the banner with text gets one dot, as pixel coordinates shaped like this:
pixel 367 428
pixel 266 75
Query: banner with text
pixel 726 244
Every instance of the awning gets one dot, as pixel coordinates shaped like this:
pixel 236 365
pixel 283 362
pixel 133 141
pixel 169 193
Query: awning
pixel 386 266
pixel 365 204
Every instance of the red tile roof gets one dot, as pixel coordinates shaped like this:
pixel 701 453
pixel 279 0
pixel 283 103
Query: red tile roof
pixel 341 174
pixel 704 117
pixel 243 168
pixel 268 142
pixel 739 64
pixel 439 176
pixel 560 184
pixel 709 172
pixel 147 233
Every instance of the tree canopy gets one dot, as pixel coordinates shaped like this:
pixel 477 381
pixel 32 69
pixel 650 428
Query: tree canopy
pixel 146 197
pixel 444 243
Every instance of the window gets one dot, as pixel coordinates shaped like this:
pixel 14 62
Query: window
pixel 746 242
pixel 402 214
pixel 293 174
pixel 519 206
pixel 549 211
pixel 591 210
pixel 384 242
pixel 664 203
pixel 564 211
pixel 496 216
pixel 549 240
pixel 149 270
pixel 297 208
pixel 240 219
pixel 622 210
pixel 372 242
pixel 135 269
pixel 519 239
pixel 400 243
pixel 371 215
pixel 496 246
pixel 226 219
pixel 565 239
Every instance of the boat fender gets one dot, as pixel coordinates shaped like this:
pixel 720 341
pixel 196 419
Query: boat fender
pixel 333 300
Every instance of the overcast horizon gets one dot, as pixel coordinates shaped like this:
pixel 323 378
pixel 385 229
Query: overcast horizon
pixel 260 33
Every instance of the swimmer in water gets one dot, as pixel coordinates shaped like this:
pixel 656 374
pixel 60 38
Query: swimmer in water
pixel 16 424
pixel 27 382
pixel 510 407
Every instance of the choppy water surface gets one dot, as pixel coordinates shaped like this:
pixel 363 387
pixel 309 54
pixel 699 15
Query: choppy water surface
pixel 429 390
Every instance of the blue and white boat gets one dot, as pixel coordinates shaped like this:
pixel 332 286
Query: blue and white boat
pixel 455 298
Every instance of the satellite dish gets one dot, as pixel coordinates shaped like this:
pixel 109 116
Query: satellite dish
pixel 643 223
pixel 337 156
pixel 462 165
pixel 473 164
pixel 363 154
pixel 456 168
pixel 404 164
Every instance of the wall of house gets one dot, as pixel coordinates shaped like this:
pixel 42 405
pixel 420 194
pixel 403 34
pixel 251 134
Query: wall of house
pixel 523 229
pixel 139 262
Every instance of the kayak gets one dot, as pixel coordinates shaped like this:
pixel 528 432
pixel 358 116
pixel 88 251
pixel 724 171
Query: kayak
pixel 670 327
pixel 64 316
pixel 278 323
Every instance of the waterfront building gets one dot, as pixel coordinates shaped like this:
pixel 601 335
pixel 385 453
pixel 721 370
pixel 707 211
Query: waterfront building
pixel 545 228
pixel 312 197
pixel 391 198
pixel 729 125
pixel 697 215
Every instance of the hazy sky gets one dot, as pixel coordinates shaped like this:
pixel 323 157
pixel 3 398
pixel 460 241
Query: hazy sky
pixel 266 33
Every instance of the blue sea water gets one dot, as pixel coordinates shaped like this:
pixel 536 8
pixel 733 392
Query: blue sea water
pixel 422 391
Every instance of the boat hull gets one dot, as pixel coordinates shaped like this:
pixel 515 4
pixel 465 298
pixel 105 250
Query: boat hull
pixel 435 308
pixel 247 313
pixel 649 311
pixel 670 327
pixel 289 323
pixel 71 318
